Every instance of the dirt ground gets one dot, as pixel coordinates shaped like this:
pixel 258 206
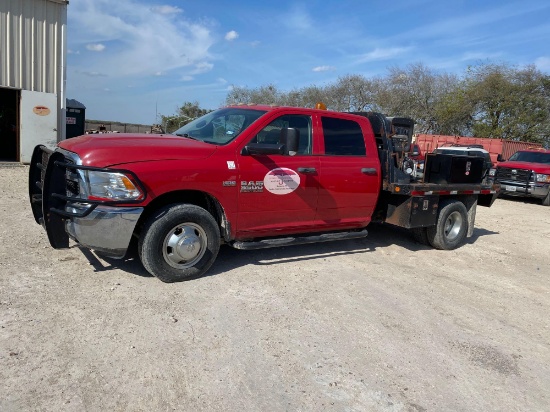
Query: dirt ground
pixel 381 324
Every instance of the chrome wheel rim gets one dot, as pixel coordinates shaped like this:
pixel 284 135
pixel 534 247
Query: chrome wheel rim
pixel 184 245
pixel 453 226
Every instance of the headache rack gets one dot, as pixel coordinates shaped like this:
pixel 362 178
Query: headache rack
pixel 54 192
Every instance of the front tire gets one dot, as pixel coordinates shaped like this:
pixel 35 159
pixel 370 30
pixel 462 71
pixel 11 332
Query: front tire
pixel 452 226
pixel 546 200
pixel 179 242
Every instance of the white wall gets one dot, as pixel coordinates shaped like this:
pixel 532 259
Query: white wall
pixel 33 52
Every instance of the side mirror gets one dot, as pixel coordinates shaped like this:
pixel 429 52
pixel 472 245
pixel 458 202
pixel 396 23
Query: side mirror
pixel 288 145
pixel 500 158
pixel 290 138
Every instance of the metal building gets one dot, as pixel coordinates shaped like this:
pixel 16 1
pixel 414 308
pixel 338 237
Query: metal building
pixel 32 75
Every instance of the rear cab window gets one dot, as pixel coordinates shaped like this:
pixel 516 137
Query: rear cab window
pixel 343 137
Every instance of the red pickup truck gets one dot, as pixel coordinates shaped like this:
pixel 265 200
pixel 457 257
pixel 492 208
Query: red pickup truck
pixel 526 173
pixel 250 177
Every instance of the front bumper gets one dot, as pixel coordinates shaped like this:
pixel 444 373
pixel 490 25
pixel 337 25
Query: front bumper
pixel 106 229
pixel 105 226
pixel 536 190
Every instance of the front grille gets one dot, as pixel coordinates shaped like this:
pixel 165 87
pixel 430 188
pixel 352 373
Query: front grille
pixel 511 174
pixel 43 164
pixel 72 184
pixel 73 188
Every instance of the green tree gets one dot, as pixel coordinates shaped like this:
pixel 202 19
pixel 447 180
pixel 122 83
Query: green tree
pixel 267 94
pixel 504 102
pixel 354 93
pixel 184 114
pixel 454 114
pixel 489 100
pixel 415 91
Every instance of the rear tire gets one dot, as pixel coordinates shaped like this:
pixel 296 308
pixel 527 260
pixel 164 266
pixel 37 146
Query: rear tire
pixel 420 235
pixel 452 226
pixel 546 200
pixel 179 242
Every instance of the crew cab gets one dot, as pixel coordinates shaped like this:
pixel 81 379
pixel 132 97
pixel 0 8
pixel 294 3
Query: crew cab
pixel 250 177
pixel 527 174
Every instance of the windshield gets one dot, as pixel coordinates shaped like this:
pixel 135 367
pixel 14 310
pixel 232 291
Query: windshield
pixel 531 157
pixel 220 126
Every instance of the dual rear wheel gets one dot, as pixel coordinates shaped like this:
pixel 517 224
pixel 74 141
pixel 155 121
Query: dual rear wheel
pixel 450 229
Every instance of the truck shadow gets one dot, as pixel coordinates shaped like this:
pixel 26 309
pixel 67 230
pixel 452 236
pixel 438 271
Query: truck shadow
pixel 380 236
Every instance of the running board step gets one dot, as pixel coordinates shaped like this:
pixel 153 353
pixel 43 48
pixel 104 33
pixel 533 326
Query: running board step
pixel 298 240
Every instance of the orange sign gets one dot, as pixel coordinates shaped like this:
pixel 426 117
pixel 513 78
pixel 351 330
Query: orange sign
pixel 41 110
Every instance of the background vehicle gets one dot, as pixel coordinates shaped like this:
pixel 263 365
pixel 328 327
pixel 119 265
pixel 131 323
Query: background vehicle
pixel 526 174
pixel 251 177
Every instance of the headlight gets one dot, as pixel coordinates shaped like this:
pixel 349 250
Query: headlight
pixel 100 185
pixel 539 177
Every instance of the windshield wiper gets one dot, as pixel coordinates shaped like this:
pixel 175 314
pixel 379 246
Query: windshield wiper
pixel 186 135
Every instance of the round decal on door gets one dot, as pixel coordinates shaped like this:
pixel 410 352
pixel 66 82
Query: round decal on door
pixel 281 181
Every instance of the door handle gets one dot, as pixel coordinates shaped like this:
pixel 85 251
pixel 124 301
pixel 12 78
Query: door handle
pixel 371 171
pixel 308 170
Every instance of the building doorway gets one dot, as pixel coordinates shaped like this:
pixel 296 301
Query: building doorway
pixel 9 125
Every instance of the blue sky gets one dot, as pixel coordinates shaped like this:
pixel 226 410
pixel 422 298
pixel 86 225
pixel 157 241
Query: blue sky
pixel 129 60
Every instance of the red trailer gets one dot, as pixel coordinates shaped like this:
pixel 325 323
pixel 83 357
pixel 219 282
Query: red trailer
pixel 506 148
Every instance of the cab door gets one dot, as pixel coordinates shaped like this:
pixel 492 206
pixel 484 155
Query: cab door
pixel 278 193
pixel 350 174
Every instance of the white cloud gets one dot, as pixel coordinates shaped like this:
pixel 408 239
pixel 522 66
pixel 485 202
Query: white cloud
pixel 383 54
pixel 324 68
pixel 69 51
pixel 93 74
pixel 166 9
pixel 298 18
pixel 543 63
pixel 479 56
pixel 187 78
pixel 231 35
pixel 141 43
pixel 255 43
pixel 202 67
pixel 98 47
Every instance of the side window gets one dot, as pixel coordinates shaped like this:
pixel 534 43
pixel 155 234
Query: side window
pixel 272 132
pixel 343 137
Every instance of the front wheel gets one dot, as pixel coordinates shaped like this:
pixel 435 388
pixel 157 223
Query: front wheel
pixel 179 242
pixel 452 226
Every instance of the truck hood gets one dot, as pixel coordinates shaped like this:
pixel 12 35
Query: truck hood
pixel 102 150
pixel 537 167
